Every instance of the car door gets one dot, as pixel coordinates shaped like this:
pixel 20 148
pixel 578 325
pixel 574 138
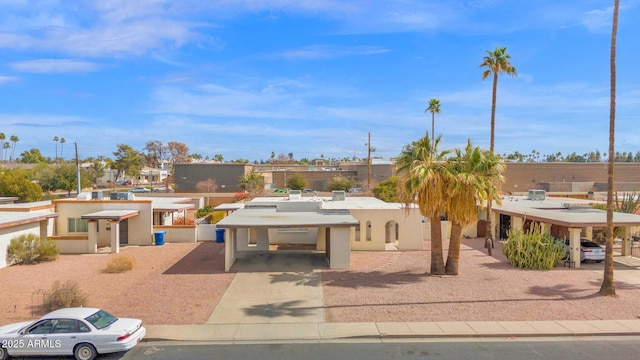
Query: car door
pixel 66 334
pixel 33 338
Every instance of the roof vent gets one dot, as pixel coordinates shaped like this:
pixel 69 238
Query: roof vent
pixel 536 195
pixel 338 195
pixel 122 196
pixel 295 194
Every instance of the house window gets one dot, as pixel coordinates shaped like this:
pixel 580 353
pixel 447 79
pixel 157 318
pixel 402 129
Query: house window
pixel 77 225
pixel 368 230
pixel 358 232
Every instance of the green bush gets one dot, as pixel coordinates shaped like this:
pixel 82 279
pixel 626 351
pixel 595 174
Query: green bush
pixel 387 190
pixel 533 249
pixel 64 295
pixel 30 249
pixel 202 212
pixel 296 182
pixel 341 183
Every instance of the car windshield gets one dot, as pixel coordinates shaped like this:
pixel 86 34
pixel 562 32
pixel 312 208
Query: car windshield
pixel 101 319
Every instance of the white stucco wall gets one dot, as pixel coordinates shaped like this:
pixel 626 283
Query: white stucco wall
pixel 6 234
pixel 293 236
pixel 410 229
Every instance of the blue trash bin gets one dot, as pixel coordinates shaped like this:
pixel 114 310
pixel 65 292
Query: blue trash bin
pixel 159 237
pixel 219 235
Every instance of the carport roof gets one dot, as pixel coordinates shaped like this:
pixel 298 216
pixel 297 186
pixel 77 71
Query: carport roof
pixel 567 212
pixel 111 215
pixel 270 218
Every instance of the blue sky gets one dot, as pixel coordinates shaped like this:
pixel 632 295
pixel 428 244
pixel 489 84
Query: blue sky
pixel 311 77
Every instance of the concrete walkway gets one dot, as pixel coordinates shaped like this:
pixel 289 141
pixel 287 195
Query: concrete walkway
pixel 285 304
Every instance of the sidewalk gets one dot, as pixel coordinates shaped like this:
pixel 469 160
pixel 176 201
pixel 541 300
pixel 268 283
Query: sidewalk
pixel 336 331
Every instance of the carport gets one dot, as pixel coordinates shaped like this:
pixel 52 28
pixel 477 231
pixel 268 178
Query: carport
pixel 576 215
pixel 247 230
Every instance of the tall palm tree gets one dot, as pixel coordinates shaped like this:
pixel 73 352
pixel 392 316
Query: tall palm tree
pixel 14 139
pixel 55 139
pixel 62 141
pixel 608 287
pixel 6 148
pixel 496 62
pixel 422 172
pixel 474 178
pixel 433 108
pixel 3 137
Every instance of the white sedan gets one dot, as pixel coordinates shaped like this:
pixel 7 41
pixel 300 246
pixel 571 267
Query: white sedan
pixel 81 332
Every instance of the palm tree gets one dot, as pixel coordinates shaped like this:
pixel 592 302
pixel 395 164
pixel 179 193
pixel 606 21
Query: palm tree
pixel 433 108
pixel 495 62
pixel 55 139
pixel 3 137
pixel 474 178
pixel 6 147
pixel 608 287
pixel 62 141
pixel 422 172
pixel 14 139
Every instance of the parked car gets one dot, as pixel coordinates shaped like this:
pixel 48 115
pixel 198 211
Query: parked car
pixel 124 182
pixel 589 250
pixel 81 332
pixel 162 188
pixel 140 189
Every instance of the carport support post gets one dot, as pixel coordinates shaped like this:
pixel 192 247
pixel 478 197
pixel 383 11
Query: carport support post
pixel 92 243
pixel 626 243
pixel 574 246
pixel 115 237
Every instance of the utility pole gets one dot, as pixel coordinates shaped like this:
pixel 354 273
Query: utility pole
pixel 369 151
pixel 77 170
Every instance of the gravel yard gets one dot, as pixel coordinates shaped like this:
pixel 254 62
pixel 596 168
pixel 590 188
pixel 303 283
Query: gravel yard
pixel 182 283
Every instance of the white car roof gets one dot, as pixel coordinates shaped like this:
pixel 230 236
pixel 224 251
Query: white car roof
pixel 72 313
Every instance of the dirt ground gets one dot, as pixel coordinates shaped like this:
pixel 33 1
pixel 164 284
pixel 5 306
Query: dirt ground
pixel 395 287
pixel 170 284
pixel 182 283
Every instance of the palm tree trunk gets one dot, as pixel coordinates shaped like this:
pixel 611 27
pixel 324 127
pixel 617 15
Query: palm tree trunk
pixel 433 120
pixel 493 111
pixel 608 286
pixel 437 259
pixel 453 256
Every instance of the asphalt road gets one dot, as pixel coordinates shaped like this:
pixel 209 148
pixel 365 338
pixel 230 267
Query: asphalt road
pixel 567 349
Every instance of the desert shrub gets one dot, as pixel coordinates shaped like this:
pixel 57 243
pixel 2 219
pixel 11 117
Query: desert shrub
pixel 533 249
pixel 217 216
pixel 121 263
pixel 30 249
pixel 341 183
pixel 206 210
pixel 296 182
pixel 62 295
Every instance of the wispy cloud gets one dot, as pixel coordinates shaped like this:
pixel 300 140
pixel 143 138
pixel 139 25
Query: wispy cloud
pixel 55 66
pixel 329 52
pixel 7 79
pixel 598 19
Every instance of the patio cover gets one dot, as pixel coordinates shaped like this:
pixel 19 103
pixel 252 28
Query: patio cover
pixel 269 217
pixel 117 215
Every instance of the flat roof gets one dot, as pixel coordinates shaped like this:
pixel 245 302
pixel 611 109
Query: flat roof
pixel 554 210
pixel 327 202
pixel 111 215
pixel 270 218
pixel 10 218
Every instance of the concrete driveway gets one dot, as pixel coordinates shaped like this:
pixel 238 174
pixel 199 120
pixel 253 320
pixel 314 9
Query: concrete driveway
pixel 274 287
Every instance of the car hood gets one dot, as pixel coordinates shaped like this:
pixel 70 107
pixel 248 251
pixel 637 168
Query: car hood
pixel 13 328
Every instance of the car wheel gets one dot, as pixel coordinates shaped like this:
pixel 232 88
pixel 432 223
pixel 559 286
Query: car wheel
pixel 4 355
pixel 85 351
pixel 598 261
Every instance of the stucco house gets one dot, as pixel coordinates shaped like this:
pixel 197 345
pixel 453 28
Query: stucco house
pixel 21 219
pixel 335 225
pixel 91 221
